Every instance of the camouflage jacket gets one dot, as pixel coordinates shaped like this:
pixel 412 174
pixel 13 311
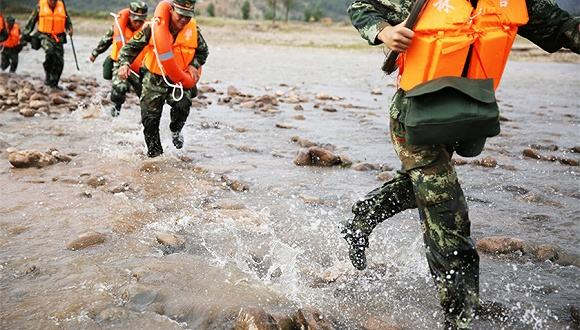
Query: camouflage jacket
pixel 33 19
pixel 549 27
pixel 141 39
pixel 104 44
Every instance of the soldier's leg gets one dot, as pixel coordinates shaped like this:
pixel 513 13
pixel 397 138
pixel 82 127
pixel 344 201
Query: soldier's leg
pixel 118 91
pixel 152 101
pixel 179 114
pixel 5 61
pixel 47 45
pixel 13 60
pixel 391 198
pixel 58 63
pixel 451 254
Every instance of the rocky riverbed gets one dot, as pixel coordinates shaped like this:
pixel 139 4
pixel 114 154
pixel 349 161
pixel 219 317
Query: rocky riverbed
pixel 240 228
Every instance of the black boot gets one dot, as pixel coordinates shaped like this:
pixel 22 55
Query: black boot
pixel 116 110
pixel 177 139
pixel 377 206
pixel 153 142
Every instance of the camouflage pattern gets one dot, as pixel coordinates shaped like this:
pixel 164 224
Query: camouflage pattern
pixel 104 43
pixel 451 254
pixel 53 48
pixel 156 93
pixel 184 7
pixel 138 10
pixel 4 31
pixel 10 58
pixel 120 87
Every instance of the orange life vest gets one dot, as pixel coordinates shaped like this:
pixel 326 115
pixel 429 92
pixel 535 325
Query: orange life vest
pixel 49 21
pixel 448 29
pixel 13 38
pixel 174 55
pixel 2 23
pixel 125 34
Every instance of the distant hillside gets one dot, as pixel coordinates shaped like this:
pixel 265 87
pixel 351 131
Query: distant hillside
pixel 231 8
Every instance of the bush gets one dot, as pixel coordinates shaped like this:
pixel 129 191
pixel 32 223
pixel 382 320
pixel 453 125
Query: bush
pixel 246 9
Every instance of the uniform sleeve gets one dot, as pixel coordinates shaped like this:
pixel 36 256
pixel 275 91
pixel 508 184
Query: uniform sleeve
pixel 202 51
pixel 104 44
pixel 370 17
pixel 550 27
pixel 31 23
pixel 133 48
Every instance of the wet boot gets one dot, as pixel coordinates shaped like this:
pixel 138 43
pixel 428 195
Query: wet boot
pixel 377 206
pixel 177 139
pixel 116 110
pixel 154 147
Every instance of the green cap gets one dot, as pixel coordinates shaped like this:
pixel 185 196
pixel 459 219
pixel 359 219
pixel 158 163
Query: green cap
pixel 184 7
pixel 138 10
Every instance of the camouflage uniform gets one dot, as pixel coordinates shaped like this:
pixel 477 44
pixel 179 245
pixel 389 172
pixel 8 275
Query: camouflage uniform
pixel 53 48
pixel 4 30
pixel 120 87
pixel 155 92
pixel 428 180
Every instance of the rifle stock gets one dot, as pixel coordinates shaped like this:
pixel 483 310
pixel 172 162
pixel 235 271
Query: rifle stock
pixel 390 63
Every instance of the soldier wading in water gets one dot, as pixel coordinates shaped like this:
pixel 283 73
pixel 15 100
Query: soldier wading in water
pixel 127 22
pixel 174 53
pixel 445 69
pixel 53 25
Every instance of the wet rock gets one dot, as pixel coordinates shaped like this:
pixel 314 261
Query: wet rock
pixel 284 125
pixel 329 109
pixel 486 162
pixel 255 318
pixel 206 89
pixel 575 150
pixel 375 323
pixel 530 153
pixel 241 129
pixel 96 181
pixel 86 194
pixel 546 252
pixel 86 240
pixel 311 318
pixel 302 141
pixel 30 158
pixel 233 91
pixel 365 167
pixel 57 100
pixel 459 161
pixel 38 104
pixel 27 112
pixel 299 107
pixel 316 156
pixel 235 185
pixel 170 242
pixel 569 161
pixel 323 96
pixel 248 104
pixel 515 189
pixel 38 97
pixel 224 100
pixel 299 117
pixel 123 187
pixel 503 118
pixel 243 148
pixel 229 205
pixel 500 245
pixel 377 91
pixel 385 176
pixel 575 313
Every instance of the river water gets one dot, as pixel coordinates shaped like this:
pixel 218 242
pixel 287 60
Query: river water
pixel 271 245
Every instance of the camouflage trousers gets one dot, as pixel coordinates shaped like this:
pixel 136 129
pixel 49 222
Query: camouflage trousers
pixel 10 59
pixel 429 182
pixel 154 95
pixel 54 58
pixel 120 87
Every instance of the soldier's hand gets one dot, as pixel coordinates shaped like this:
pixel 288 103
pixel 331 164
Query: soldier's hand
pixel 124 72
pixel 92 58
pixel 193 72
pixel 397 38
pixel 70 31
